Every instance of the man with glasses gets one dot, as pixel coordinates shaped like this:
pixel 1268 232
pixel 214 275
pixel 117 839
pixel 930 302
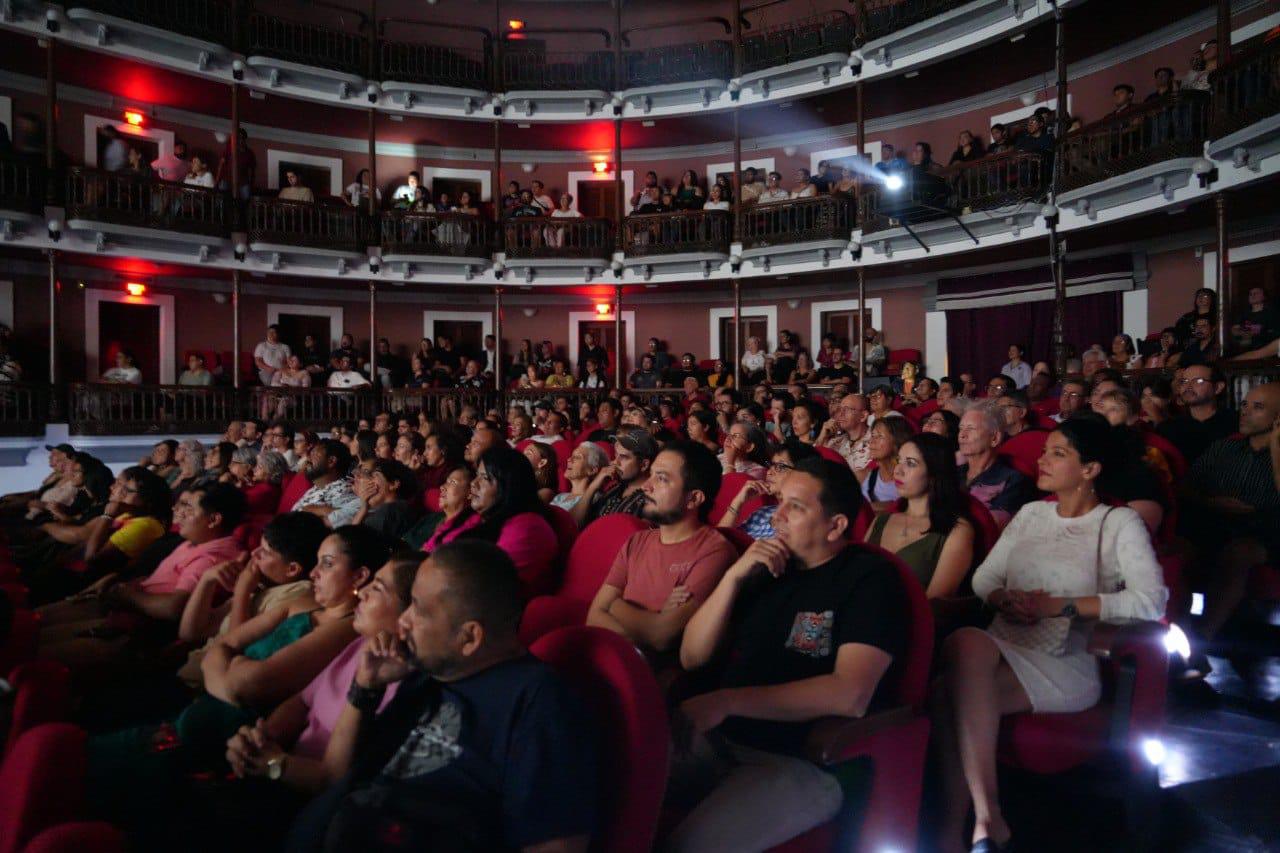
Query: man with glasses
pixel 662 575
pixel 846 431
pixel 999 487
pixel 725 404
pixel 1072 399
pixel 1013 406
pixel 999 385
pixel 1203 421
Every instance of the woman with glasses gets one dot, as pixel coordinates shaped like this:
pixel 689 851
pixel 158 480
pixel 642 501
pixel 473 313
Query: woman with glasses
pixel 932 534
pixel 759 524
pixel 746 451
pixel 946 424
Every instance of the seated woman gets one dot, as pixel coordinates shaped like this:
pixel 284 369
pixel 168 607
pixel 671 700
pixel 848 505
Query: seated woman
pixel 945 423
pixel 162 460
pixel 387 498
pixel 443 453
pixel 217 462
pixel 759 524
pixel 804 371
pixel 806 419
pixel 703 428
pixel 887 437
pixel 1055 567
pixel 933 534
pixel 247 671
pixel 746 451
pixel 584 463
pixel 543 459
pixel 504 495
pixel 89 482
pixel 455 510
pixel 531 378
pixel 720 376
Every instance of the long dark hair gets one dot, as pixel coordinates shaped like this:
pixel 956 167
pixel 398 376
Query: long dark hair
pixel 947 500
pixel 759 443
pixel 548 478
pixel 708 421
pixel 1090 435
pixel 154 498
pixel 517 491
pixel 1213 304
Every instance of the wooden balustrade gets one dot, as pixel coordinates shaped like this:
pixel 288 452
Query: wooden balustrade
pixel 1245 90
pixel 831 32
pixel 801 220
pixel 527 69
pixel 879 18
pixel 301 223
pixel 457 234
pixel 21 186
pixel 114 409
pixel 207 20
pixel 308 43
pixel 678 63
pixel 411 62
pixel 545 237
pixel 24 408
pixel 677 232
pixel 127 199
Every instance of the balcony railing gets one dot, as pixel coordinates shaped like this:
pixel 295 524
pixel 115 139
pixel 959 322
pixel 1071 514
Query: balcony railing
pixel 110 409
pixel 440 403
pixel 125 199
pixel 24 409
pixel 544 237
pixel 431 65
pixel 458 234
pixel 677 233
pixel 21 186
pixel 801 220
pixel 879 18
pixel 998 180
pixel 300 223
pixel 832 32
pixel 680 63
pixel 536 70
pixel 1173 126
pixel 1246 90
pixel 313 408
pixel 922 196
pixel 206 20
pixel 307 43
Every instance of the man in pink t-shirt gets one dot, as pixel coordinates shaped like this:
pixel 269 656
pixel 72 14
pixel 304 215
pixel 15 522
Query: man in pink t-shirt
pixel 661 576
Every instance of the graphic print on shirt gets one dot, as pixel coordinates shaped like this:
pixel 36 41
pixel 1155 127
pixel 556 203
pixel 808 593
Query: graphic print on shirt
pixel 811 633
pixel 431 746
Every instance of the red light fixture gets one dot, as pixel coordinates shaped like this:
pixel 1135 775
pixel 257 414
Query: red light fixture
pixel 135 288
pixel 133 118
pixel 515 24
pixel 600 167
pixel 602 308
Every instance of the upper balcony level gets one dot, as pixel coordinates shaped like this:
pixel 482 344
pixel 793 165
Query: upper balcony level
pixel 665 62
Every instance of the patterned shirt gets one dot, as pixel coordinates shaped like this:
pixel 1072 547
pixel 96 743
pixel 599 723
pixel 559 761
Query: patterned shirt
pixel 616 500
pixel 854 450
pixel 338 495
pixel 759 525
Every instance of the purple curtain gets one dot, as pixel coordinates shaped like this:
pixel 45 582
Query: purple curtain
pixel 978 338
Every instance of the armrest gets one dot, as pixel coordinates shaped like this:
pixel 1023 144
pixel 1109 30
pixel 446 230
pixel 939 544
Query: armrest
pixel 830 738
pixel 1111 640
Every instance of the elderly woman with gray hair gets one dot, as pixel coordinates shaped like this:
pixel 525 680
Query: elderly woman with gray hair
pixel 585 462
pixel 190 458
pixel 261 482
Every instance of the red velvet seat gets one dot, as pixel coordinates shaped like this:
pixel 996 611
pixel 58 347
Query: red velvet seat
pixel 41 783
pixel 566 531
pixel 1022 452
pixel 80 837
pixel 730 485
pixel 589 561
pixel 20 646
pixel 606 446
pixel 861 524
pixel 985 532
pixel 628 709
pixel 431 500
pixel 738 538
pixel 1177 462
pixel 292 492
pixel 41 694
pixel 830 455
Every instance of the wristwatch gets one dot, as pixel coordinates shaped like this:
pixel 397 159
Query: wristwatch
pixel 365 699
pixel 1069 610
pixel 275 767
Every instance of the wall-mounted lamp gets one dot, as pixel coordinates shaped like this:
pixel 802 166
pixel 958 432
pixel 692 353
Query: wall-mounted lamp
pixel 529 312
pixel 134 118
pixel 135 288
pixel 527 167
pixel 603 308
pixel 600 167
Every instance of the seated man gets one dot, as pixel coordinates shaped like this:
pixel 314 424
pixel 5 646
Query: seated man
pixel 78 632
pixel 330 496
pixel 1204 420
pixel 810 625
pixel 486 434
pixel 661 576
pixel 1232 506
pixel 846 431
pixel 438 762
pixel 1000 488
pixel 1073 398
pixel 634 452
pixel 608 413
pixel 1015 412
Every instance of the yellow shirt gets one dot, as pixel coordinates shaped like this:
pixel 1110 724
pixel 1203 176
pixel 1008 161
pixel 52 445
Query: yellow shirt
pixel 134 535
pixel 554 381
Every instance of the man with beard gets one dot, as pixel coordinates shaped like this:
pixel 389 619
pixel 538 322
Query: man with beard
pixel 483 746
pixel 330 496
pixel 661 576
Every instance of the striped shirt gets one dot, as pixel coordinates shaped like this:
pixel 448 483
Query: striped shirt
pixel 1231 467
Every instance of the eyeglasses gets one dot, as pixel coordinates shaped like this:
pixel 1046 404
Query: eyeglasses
pixel 995 386
pixel 781 467
pixel 935 421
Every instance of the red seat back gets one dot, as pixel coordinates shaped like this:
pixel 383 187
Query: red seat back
pixel 910 674
pixel 626 703
pixel 738 538
pixel 607 447
pixel 20 646
pixel 41 783
pixel 566 531
pixel 830 455
pixel 41 694
pixel 593 552
pixel 985 529
pixel 431 500
pixel 292 492
pixel 1022 452
pixel 730 485
pixel 96 835
pixel 861 524
pixel 1172 455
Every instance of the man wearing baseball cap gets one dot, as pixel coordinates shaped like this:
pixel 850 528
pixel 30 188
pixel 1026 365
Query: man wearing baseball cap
pixel 634 450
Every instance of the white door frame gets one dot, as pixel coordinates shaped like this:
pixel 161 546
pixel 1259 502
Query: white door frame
pixel 333 164
pixel 163 138
pixel 93 297
pixel 333 312
pixel 715 315
pixel 484 176
pixel 629 332
pixel 1236 254
pixel 759 163
pixel 628 184
pixel 484 318
pixel 816 310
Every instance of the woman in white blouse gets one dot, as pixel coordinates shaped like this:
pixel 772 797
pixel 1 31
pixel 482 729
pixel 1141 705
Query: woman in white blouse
pixel 1057 567
pixel 715 201
pixel 753 360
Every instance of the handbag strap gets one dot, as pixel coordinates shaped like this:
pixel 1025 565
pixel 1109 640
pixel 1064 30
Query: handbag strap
pixel 1097 559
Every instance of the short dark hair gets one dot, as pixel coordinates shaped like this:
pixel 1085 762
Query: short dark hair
pixel 338 451
pixel 1018 396
pixel 956 386
pixel 153 493
pixel 1122 87
pixel 838 492
pixel 788 401
pixel 363 545
pixel 397 472
pixel 226 500
pixel 797 450
pixel 700 471
pixel 296 536
pixel 483 585
pixel 611 403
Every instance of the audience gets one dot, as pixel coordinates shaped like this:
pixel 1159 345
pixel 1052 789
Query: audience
pixel 999 488
pixel 878 485
pixel 634 452
pixel 1203 420
pixel 759 524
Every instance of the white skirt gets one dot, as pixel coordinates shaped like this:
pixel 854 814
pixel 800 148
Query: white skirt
pixel 1055 684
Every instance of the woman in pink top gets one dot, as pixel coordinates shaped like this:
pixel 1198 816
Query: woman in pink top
pixel 308 718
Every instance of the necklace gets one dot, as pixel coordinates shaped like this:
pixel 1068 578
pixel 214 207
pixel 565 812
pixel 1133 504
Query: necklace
pixel 907 530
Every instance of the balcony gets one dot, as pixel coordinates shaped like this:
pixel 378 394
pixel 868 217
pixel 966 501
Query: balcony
pixel 106 409
pixel 432 76
pixel 1144 152
pixel 141 211
pixel 538 81
pixel 299 231
pixel 330 54
pixel 435 240
pixel 540 242
pixel 798 52
pixel 676 76
pixel 1245 126
pixel 22 189
pixel 803 230
pixel 194 33
pixel 24 409
pixel 687 241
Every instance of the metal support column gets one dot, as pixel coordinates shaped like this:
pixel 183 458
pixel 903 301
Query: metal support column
pixel 1057 248
pixel 234 142
pixel 235 329
pixel 50 125
pixel 862 150
pixel 1223 273
pixel 737 178
pixel 373 335
pixel 496 181
pixel 860 347
pixel 1224 33
pixel 617 180
pixel 497 339
pixel 737 332
pixel 373 176
pixel 55 402
pixel 618 376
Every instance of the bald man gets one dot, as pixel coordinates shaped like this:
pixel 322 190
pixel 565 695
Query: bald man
pixel 1232 506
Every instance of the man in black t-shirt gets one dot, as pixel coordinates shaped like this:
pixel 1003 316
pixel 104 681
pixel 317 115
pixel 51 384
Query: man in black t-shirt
pixel 676 376
pixel 483 747
pixel 1204 421
pixel 839 370
pixel 810 626
pixel 608 413
pixel 591 350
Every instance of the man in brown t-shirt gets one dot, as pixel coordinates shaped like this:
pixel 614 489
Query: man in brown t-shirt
pixel 661 576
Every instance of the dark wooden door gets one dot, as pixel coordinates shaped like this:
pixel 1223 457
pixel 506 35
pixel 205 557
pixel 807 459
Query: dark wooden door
pixel 598 198
pixel 295 327
pixel 758 326
pixel 131 327
pixel 605 337
pixel 843 326
pixel 467 335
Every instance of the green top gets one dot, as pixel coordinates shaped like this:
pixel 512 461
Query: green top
pixel 921 556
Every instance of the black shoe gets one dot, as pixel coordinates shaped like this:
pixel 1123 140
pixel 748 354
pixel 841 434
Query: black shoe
pixel 989 845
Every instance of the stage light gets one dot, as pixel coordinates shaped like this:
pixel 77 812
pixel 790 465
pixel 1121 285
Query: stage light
pixel 515 24
pixel 135 288
pixel 1153 750
pixel 893 183
pixel 133 118
pixel 1176 642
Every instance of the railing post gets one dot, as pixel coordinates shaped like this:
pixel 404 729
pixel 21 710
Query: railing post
pixel 736 355
pixel 497 51
pixel 1223 272
pixel 496 195
pixel 55 404
pixel 1224 36
pixel 373 336
pixel 861 137
pixel 50 124
pixel 617 177
pixel 497 343
pixel 617 336
pixel 862 332
pixel 234 142
pixel 737 177
pixel 1057 251
pixel 235 329
pixel 373 167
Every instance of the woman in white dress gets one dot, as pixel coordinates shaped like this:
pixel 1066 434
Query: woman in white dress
pixel 1055 569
